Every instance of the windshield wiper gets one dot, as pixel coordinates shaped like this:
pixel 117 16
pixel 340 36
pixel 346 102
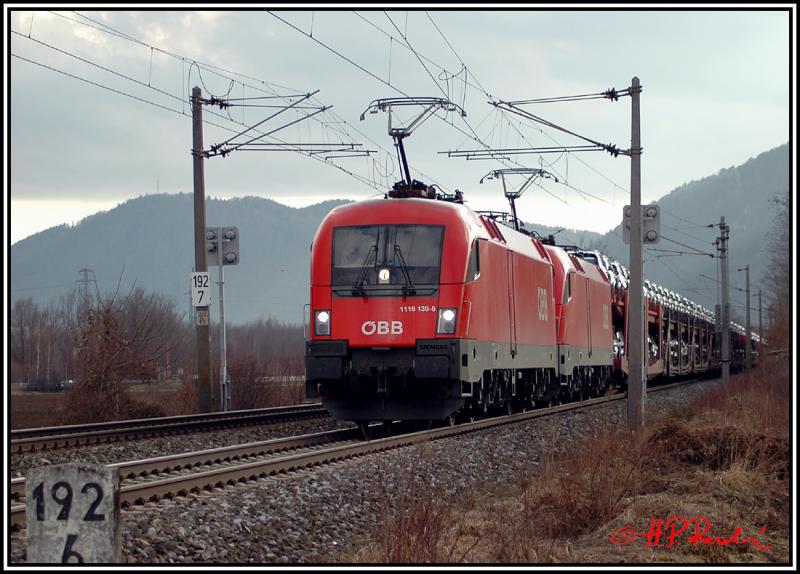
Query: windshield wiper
pixel 408 286
pixel 358 288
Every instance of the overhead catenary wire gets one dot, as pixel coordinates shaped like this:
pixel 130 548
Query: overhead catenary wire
pixel 371 74
pixel 104 68
pixel 698 251
pixel 224 151
pixel 98 85
pixel 563 179
pixel 683 232
pixel 676 216
pixel 305 97
pixel 362 179
pixel 678 252
pixel 611 94
pixel 449 45
pixel 612 149
pixel 267 86
pixel 335 119
pixel 675 272
pixel 393 40
pixel 96 65
pixel 321 117
pixel 217 69
pixel 438 85
pixel 474 135
pixel 210 67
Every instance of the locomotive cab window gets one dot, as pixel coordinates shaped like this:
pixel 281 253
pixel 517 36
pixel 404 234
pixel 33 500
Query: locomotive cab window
pixel 385 259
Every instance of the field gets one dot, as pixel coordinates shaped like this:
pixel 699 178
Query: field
pixel 30 409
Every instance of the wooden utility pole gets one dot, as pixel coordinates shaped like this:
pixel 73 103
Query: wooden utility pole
pixel 202 321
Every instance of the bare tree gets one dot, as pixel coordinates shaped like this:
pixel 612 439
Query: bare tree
pixel 779 273
pixel 24 327
pixel 120 339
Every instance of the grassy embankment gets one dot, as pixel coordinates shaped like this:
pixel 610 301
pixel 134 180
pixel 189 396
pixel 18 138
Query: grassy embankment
pixel 726 460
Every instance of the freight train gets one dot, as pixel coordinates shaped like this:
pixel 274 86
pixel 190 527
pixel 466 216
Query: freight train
pixel 423 309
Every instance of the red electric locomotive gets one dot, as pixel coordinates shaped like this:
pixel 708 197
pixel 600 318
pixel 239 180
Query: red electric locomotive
pixel 583 309
pixel 424 309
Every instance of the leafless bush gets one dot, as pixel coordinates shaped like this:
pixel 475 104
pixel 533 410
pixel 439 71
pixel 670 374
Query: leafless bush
pixel 118 339
pixel 254 386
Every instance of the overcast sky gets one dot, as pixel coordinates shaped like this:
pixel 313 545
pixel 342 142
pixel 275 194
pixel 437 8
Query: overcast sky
pixel 716 93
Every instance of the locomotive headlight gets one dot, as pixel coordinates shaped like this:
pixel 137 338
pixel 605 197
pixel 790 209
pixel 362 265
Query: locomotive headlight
pixel 383 276
pixel 322 322
pixel 447 321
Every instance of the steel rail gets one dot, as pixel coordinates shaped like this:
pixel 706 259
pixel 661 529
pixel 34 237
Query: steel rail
pixel 176 462
pixel 54 438
pixel 133 494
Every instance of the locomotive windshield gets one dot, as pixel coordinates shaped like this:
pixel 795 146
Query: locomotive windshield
pixel 386 259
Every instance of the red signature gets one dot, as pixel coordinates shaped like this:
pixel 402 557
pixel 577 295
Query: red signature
pixel 666 532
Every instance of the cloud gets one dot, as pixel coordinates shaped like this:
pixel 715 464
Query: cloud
pixel 711 99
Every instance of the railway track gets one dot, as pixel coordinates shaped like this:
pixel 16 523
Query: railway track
pixel 55 438
pixel 178 475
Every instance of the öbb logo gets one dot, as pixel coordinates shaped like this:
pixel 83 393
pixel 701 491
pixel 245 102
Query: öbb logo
pixel 543 298
pixel 382 328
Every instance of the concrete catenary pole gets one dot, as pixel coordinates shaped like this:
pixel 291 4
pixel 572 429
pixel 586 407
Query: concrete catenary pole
pixel 726 305
pixel 636 378
pixel 747 363
pixel 224 391
pixel 760 326
pixel 202 328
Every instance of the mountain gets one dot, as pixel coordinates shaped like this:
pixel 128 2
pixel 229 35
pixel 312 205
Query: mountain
pixel 744 196
pixel 148 241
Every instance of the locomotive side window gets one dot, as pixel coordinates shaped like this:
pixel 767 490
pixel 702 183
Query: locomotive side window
pixel 386 257
pixel 568 288
pixel 474 264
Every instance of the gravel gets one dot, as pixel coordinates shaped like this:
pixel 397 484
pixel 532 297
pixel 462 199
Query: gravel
pixel 174 444
pixel 313 516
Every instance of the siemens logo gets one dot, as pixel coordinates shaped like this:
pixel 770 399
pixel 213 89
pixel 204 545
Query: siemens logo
pixel 425 347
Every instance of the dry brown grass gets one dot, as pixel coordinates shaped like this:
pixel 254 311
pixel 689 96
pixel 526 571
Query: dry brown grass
pixel 727 460
pixel 81 404
pixel 31 410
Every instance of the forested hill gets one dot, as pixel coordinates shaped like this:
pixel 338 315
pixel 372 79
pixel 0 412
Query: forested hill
pixel 745 196
pixel 148 241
